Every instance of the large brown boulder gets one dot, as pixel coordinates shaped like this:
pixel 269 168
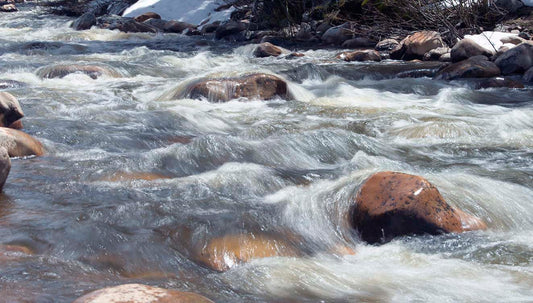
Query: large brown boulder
pixel 516 60
pixel 62 70
pixel 223 253
pixel 267 49
pixel 392 204
pixel 467 48
pixel 5 166
pixel 138 293
pixel 362 55
pixel 416 45
pixel 10 110
pixel 473 67
pixel 252 86
pixel 19 144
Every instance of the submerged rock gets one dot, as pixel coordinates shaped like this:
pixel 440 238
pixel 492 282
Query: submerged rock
pixel 474 67
pixel 133 176
pixel 499 82
pixel 362 55
pixel 467 48
pixel 19 144
pixel 5 166
pixel 60 71
pixel 10 110
pixel 267 49
pixel 223 253
pixel 392 204
pixel 516 60
pixel 253 86
pixel 138 293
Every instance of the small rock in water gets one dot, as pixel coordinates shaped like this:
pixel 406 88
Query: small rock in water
pixel 10 110
pixel 4 84
pixel 13 252
pixel 467 48
pixel 138 293
pixel 224 253
pixel 392 204
pixel 60 71
pixel 267 49
pixel 5 166
pixel 253 86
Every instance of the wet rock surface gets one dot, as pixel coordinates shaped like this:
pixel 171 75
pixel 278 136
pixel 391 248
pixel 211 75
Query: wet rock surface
pixel 392 204
pixel 138 293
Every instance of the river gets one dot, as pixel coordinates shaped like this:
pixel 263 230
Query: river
pixel 286 167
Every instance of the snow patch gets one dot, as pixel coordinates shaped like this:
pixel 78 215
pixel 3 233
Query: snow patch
pixel 191 11
pixel 490 40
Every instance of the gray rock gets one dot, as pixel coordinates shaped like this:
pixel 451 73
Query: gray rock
pixel 363 55
pixel 337 35
pixel 229 28
pixel 473 67
pixel 516 60
pixel 85 21
pixel 467 48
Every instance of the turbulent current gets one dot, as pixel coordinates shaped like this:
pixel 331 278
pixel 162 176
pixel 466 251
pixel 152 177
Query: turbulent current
pixel 282 167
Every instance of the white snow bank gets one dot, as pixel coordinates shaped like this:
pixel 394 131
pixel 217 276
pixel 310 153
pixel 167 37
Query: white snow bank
pixel 490 40
pixel 191 11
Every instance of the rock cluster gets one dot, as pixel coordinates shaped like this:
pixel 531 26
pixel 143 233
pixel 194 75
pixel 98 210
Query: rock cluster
pixel 13 142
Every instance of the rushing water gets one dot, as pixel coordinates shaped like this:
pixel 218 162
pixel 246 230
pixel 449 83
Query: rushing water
pixel 283 166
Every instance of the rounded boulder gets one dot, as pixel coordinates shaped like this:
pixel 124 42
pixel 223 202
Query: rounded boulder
pixel 393 204
pixel 252 86
pixel 19 144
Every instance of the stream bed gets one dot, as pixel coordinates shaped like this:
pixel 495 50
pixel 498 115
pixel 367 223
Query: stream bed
pixel 286 167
